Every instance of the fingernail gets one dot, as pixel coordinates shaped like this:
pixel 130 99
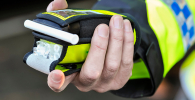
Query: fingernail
pixel 127 26
pixel 56 77
pixel 102 31
pixel 49 8
pixel 118 23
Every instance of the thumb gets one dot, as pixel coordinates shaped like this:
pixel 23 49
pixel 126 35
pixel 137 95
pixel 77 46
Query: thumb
pixel 57 4
pixel 57 81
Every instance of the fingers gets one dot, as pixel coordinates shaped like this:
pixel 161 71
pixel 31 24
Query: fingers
pixel 109 63
pixel 57 81
pixel 119 58
pixel 128 48
pixel 57 4
pixel 92 68
pixel 125 70
pixel 114 53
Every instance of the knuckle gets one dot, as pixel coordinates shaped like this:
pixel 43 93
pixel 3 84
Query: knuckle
pixel 89 78
pixel 100 47
pixel 130 41
pixel 113 66
pixel 93 76
pixel 112 69
pixel 127 63
pixel 118 38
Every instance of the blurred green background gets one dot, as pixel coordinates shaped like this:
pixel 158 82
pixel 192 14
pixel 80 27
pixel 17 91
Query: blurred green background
pixel 20 82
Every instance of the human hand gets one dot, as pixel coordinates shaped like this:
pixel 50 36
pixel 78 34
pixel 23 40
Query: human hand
pixel 109 63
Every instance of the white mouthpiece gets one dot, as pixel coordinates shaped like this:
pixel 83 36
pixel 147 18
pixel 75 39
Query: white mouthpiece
pixel 62 35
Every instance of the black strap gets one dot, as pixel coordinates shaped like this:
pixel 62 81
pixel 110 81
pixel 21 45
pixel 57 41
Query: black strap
pixel 153 63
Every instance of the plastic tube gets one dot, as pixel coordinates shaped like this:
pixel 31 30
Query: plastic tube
pixel 62 35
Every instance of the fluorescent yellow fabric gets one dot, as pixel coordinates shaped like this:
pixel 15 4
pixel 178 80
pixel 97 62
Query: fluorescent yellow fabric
pixel 189 60
pixel 191 4
pixel 107 12
pixel 63 69
pixel 139 70
pixel 54 14
pixel 76 53
pixel 167 31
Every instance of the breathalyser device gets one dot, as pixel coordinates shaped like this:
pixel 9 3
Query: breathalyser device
pixel 62 38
